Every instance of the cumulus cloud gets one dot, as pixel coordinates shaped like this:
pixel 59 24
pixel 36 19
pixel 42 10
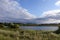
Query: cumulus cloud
pixel 51 13
pixel 52 16
pixel 13 9
pixel 57 3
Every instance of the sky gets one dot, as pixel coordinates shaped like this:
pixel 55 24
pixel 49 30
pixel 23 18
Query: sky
pixel 47 11
pixel 37 7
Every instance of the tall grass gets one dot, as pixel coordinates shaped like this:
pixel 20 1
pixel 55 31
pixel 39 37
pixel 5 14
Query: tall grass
pixel 28 35
pixel 14 33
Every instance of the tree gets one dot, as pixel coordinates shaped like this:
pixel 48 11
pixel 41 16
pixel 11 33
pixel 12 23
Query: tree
pixel 13 26
pixel 2 26
pixel 16 26
pixel 57 31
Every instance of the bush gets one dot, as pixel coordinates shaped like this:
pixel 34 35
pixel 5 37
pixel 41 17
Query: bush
pixel 13 26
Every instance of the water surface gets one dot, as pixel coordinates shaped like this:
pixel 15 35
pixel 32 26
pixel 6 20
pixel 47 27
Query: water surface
pixel 48 28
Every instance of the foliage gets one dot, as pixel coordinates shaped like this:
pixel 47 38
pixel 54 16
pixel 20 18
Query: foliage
pixel 57 31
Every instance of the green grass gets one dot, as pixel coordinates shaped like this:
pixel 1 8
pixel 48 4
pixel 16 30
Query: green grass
pixel 11 31
pixel 13 34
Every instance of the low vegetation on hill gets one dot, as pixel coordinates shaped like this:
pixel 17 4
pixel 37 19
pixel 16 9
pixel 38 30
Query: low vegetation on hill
pixel 10 31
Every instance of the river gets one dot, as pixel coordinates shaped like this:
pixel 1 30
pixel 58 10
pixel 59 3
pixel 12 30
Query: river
pixel 47 28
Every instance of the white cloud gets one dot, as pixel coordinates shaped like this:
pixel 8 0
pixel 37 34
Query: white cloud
pixel 52 16
pixel 57 3
pixel 51 13
pixel 13 9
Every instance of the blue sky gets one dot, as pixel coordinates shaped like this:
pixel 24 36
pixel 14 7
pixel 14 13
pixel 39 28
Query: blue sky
pixel 45 11
pixel 37 7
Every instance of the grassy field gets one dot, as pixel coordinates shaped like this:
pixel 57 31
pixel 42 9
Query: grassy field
pixel 13 32
pixel 28 35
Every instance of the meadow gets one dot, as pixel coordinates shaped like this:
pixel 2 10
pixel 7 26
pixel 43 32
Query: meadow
pixel 13 32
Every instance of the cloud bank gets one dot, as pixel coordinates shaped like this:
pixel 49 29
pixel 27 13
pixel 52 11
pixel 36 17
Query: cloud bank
pixel 52 16
pixel 12 9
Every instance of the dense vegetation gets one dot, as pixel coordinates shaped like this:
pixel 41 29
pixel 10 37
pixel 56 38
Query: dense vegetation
pixel 11 31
